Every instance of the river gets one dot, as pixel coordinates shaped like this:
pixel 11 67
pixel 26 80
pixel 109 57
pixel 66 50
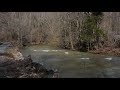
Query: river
pixel 74 64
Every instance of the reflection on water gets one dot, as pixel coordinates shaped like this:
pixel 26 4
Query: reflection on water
pixel 74 64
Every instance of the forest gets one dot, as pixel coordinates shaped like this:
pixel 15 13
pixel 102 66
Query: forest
pixel 94 32
pixel 70 30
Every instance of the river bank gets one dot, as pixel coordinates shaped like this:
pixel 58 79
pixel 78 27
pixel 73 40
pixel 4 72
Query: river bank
pixel 107 51
pixel 23 69
pixel 14 65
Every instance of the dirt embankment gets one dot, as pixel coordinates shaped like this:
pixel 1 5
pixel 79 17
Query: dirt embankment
pixel 107 50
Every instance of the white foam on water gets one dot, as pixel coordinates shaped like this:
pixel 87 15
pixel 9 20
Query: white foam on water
pixel 66 52
pixel 48 50
pixel 45 50
pixel 55 50
pixel 42 50
pixel 108 58
pixel 85 58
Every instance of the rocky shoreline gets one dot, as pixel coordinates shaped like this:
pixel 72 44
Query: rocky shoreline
pixel 24 69
pixel 14 65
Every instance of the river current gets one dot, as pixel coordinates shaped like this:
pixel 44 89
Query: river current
pixel 74 64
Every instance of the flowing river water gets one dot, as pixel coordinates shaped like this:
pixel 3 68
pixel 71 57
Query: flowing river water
pixel 74 64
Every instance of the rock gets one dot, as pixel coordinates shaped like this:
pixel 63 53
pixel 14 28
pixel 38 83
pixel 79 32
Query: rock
pixel 18 56
pixel 56 75
pixel 27 69
pixel 11 52
pixel 4 46
pixel 14 65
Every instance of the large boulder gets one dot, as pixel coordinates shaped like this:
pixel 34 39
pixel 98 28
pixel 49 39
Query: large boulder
pixel 18 56
pixel 10 51
pixel 14 53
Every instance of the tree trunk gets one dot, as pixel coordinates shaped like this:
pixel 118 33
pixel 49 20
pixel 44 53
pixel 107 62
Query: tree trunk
pixel 31 36
pixel 70 37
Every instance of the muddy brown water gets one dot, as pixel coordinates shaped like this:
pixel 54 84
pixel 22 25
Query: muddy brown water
pixel 74 64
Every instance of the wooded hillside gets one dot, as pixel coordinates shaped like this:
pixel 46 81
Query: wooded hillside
pixel 71 30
